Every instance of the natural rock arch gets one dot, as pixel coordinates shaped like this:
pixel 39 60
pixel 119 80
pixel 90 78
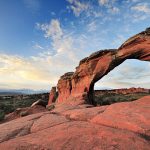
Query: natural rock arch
pixel 127 75
pixel 80 84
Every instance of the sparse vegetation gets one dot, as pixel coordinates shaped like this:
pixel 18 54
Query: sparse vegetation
pixel 51 107
pixel 110 98
pixel 23 113
pixel 9 104
pixel 2 115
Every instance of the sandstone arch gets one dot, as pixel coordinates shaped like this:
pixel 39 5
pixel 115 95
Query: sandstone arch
pixel 80 84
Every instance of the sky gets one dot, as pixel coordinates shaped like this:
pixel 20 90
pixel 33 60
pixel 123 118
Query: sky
pixel 40 40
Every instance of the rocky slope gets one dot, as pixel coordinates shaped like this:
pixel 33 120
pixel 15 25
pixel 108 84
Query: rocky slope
pixel 123 126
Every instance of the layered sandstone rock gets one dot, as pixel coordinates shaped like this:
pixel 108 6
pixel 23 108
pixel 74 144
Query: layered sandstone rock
pixel 80 84
pixel 64 86
pixel 52 96
pixel 122 126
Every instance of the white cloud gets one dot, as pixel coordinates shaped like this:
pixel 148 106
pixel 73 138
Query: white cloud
pixel 68 46
pixel 142 7
pixel 52 30
pixel 131 73
pixel 18 72
pixel 140 12
pixel 96 14
pixel 89 10
pixel 109 4
pixel 53 13
pixel 103 2
pixel 62 41
pixel 78 7
pixel 36 72
pixel 106 2
pixel 92 26
pixel 137 17
pixel 115 10
pixel 32 5
pixel 37 46
pixel 43 70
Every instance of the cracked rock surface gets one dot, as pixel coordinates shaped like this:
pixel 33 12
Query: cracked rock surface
pixel 123 126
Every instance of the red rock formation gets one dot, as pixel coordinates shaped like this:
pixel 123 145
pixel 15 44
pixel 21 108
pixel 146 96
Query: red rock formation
pixel 131 90
pixel 124 91
pixel 122 126
pixel 80 84
pixel 52 96
pixel 64 86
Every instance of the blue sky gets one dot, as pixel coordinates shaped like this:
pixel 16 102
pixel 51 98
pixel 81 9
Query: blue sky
pixel 41 40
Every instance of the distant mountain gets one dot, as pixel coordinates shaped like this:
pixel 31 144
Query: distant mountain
pixel 21 91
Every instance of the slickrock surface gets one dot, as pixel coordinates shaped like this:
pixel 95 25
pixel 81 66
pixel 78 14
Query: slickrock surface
pixel 133 116
pixel 80 84
pixel 122 126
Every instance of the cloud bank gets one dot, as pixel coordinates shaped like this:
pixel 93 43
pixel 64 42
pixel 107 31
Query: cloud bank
pixel 104 25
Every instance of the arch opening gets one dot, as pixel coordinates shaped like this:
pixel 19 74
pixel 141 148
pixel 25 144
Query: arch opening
pixel 129 81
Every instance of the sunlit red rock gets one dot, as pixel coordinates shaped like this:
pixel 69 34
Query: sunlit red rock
pixel 80 84
pixel 64 86
pixel 133 116
pixel 52 96
pixel 122 126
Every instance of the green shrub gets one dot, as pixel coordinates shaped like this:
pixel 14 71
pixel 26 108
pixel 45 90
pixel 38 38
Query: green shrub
pixel 6 107
pixel 2 115
pixel 23 113
pixel 51 107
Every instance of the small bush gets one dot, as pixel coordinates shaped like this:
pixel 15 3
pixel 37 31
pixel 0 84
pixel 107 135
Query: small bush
pixel 2 115
pixel 148 29
pixel 51 107
pixel 23 113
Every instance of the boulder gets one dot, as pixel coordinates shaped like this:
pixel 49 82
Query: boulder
pixel 39 102
pixel 21 112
